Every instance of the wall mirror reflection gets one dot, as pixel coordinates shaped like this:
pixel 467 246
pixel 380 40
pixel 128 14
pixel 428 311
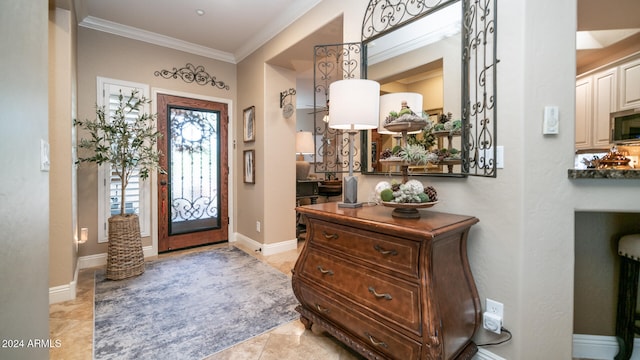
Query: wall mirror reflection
pixel 420 63
pixel 445 52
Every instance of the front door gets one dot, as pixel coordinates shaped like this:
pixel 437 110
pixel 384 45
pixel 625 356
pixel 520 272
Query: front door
pixel 192 195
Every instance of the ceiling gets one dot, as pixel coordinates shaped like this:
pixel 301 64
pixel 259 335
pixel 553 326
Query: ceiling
pixel 607 15
pixel 230 30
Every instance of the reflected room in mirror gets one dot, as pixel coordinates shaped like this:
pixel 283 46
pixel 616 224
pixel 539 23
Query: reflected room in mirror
pixel 422 57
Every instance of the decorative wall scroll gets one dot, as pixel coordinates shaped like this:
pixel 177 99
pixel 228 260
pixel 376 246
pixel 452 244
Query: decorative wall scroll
pixel 190 73
pixel 383 16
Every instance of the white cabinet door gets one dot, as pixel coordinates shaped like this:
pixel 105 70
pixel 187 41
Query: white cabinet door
pixel 583 113
pixel 630 85
pixel 604 102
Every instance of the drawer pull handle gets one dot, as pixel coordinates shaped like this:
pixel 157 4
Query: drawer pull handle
pixel 321 309
pixel 385 252
pixel 329 236
pixel 376 342
pixel 322 270
pixel 379 296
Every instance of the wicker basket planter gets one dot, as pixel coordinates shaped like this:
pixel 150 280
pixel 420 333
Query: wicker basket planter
pixel 125 257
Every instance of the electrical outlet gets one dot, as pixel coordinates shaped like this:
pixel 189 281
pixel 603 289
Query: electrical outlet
pixel 493 317
pixel 258 226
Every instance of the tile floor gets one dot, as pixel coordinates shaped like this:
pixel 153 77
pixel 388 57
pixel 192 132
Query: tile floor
pixel 72 323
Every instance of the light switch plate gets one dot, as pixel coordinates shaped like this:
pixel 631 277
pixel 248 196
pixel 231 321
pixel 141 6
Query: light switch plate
pixel 44 155
pixel 551 120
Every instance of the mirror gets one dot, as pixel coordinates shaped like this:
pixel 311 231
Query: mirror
pixel 422 57
pixel 447 55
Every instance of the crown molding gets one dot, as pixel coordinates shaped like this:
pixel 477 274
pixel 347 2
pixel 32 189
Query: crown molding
pixel 291 14
pixel 114 28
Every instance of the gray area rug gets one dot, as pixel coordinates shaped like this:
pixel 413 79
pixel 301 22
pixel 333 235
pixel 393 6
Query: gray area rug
pixel 190 306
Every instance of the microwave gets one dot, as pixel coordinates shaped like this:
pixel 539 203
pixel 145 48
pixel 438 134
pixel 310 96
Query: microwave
pixel 625 127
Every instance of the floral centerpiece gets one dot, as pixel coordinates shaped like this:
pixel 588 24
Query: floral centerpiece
pixel 411 191
pixel 405 197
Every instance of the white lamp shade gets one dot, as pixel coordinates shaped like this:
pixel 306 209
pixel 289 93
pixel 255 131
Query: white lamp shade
pixel 393 102
pixel 304 142
pixel 355 104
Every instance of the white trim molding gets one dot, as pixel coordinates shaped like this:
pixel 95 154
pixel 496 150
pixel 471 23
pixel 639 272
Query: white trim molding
pixel 599 347
pixel 130 32
pixel 266 249
pixel 97 260
pixel 484 354
pixel 65 292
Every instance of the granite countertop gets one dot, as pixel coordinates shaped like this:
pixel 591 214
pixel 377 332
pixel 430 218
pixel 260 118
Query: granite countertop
pixel 604 174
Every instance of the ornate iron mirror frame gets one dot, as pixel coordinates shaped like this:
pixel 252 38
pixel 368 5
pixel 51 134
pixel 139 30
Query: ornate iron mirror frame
pixel 348 61
pixel 334 62
pixel 479 40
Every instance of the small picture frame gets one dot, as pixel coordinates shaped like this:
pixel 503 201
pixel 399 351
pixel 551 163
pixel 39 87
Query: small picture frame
pixel 248 165
pixel 249 116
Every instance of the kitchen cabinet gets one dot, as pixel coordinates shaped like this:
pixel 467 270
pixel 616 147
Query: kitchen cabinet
pixel 389 288
pixel 583 113
pixel 595 100
pixel 629 85
pixel 613 88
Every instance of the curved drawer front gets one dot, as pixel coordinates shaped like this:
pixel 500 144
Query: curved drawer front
pixel 379 249
pixel 393 299
pixel 374 334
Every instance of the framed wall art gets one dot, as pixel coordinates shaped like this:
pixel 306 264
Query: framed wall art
pixel 249 170
pixel 249 115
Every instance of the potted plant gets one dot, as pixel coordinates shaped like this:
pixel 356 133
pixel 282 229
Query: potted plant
pixel 126 141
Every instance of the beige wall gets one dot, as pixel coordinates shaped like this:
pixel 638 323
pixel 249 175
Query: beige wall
pixel 271 199
pixel 63 230
pixel 115 57
pixel 522 251
pixel 24 194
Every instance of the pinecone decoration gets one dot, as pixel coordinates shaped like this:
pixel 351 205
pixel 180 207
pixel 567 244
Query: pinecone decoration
pixel 431 193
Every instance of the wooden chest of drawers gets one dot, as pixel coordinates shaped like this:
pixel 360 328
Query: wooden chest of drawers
pixel 389 288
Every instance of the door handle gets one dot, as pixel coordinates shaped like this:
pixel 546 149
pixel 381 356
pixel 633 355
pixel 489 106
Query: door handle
pixel 164 182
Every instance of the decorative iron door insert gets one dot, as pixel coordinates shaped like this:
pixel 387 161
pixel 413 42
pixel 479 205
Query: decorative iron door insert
pixel 193 194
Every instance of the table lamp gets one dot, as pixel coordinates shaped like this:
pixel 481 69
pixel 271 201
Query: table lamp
pixel 304 146
pixel 354 107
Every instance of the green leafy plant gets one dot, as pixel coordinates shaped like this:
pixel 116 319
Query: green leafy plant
pixel 125 139
pixel 414 154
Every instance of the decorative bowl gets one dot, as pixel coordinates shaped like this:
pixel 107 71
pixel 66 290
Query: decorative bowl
pixel 407 210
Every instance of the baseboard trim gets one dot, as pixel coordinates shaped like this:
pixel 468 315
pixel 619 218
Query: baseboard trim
pixel 484 354
pixel 599 347
pixel 65 292
pixel 267 249
pixel 97 260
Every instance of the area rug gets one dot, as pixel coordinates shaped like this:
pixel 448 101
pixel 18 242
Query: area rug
pixel 189 306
